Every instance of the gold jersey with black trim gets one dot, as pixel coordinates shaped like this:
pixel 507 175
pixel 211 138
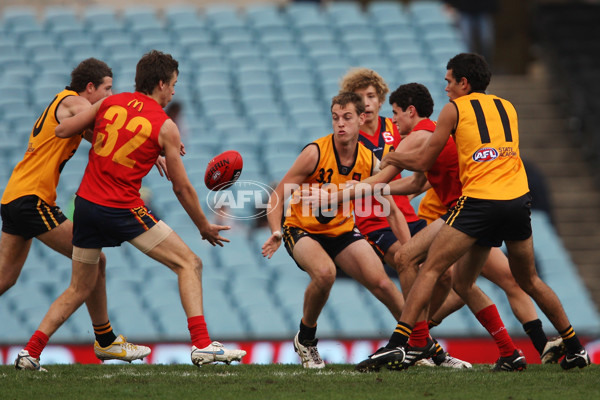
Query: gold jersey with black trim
pixel 487 141
pixel 431 207
pixel 329 173
pixel 46 155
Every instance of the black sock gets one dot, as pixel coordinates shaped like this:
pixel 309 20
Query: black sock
pixel 571 340
pixel 306 332
pixel 432 323
pixel 400 335
pixel 534 330
pixel 104 334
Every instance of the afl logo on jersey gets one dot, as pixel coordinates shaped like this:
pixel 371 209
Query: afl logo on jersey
pixel 485 154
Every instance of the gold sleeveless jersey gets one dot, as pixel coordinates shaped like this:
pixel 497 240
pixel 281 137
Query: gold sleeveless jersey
pixel 431 207
pixel 487 141
pixel 330 173
pixel 46 155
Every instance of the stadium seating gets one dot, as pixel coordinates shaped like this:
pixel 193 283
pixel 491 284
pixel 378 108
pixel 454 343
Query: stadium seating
pixel 258 80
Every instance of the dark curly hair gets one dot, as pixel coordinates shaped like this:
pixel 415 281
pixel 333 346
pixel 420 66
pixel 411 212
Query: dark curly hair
pixel 152 68
pixel 89 70
pixel 345 98
pixel 473 67
pixel 413 94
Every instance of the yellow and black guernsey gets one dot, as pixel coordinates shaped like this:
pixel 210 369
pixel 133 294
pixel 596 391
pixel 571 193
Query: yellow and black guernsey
pixel 46 155
pixel 330 174
pixel 487 140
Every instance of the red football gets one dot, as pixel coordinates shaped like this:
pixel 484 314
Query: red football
pixel 223 170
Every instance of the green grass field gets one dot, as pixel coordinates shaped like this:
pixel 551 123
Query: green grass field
pixel 292 382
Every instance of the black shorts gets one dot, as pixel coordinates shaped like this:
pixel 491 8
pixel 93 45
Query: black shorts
pixel 333 245
pixel 30 216
pixel 381 240
pixel 416 226
pixel 96 226
pixel 492 221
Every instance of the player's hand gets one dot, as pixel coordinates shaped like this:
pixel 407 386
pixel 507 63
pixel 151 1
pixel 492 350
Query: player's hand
pixel 161 166
pixel 271 245
pixel 182 150
pixel 212 234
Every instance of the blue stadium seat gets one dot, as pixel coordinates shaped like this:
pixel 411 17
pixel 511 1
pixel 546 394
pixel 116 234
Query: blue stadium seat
pixel 14 17
pixel 381 8
pixel 273 33
pixel 223 16
pixel 101 19
pixel 277 50
pixel 222 319
pixel 58 16
pixel 304 14
pixel 12 329
pixel 182 15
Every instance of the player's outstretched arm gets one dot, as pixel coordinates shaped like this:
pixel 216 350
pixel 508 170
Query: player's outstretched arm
pixel 420 149
pixel 170 141
pixel 375 184
pixel 415 184
pixel 304 165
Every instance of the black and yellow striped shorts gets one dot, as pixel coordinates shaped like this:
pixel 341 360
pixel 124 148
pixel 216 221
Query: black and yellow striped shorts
pixel 30 216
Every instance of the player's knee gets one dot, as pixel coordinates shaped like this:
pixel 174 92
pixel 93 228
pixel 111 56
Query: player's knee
pixel 102 263
pixel 445 280
pixel 80 291
pixel 6 283
pixel 461 287
pixel 385 285
pixel 403 262
pixel 324 277
pixel 195 263
pixel 527 283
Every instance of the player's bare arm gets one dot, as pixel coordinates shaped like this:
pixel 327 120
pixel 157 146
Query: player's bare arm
pixel 397 221
pixel 414 184
pixel 72 105
pixel 77 123
pixel 304 165
pixel 421 158
pixel 170 141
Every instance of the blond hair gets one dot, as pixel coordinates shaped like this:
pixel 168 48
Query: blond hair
pixel 361 78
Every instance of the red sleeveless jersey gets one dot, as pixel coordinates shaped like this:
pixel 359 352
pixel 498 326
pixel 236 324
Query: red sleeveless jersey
pixel 385 140
pixel 124 149
pixel 443 175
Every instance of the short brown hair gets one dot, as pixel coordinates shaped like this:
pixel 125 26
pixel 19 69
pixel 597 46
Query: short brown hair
pixel 361 78
pixel 89 70
pixel 152 68
pixel 345 98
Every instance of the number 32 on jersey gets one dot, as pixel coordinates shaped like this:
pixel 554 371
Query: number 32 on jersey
pixel 105 141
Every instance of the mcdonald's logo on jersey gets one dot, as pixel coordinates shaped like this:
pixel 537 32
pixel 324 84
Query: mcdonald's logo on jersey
pixel 136 104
